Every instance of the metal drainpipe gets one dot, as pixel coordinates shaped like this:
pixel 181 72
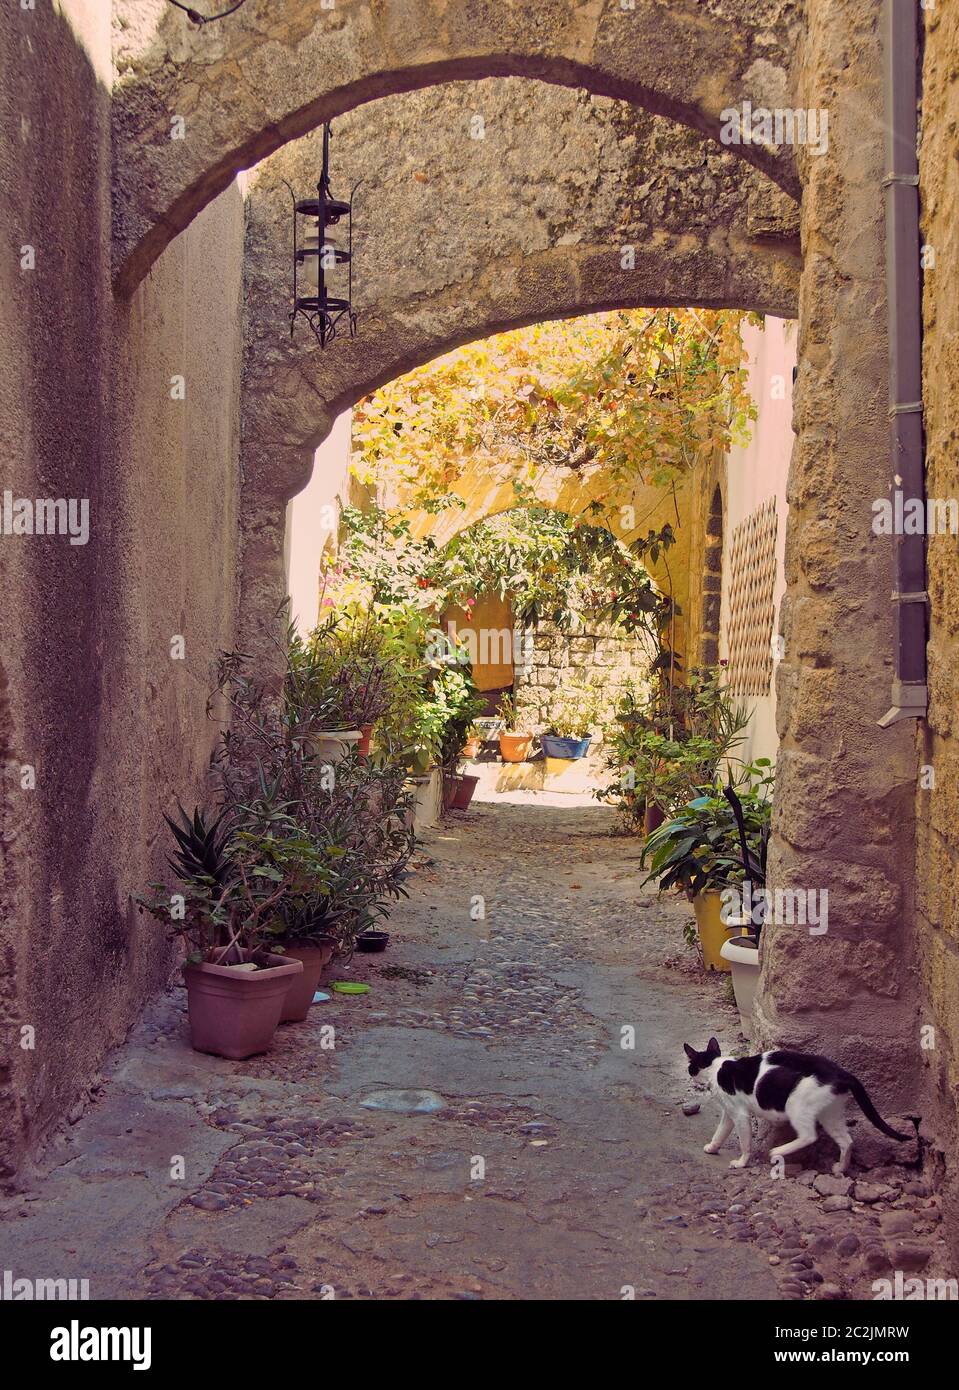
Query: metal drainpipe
pixel 904 296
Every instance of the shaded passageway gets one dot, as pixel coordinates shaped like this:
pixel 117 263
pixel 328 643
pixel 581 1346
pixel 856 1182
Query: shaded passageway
pixel 593 1179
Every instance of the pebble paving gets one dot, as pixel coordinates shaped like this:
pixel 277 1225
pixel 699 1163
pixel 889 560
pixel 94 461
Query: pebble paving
pixel 477 1126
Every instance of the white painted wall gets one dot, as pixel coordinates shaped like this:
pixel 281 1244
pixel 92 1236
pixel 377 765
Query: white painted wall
pixel 312 518
pixel 753 474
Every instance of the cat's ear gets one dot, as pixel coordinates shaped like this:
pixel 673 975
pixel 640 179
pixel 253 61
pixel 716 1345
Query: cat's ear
pixel 713 1046
pixel 690 1052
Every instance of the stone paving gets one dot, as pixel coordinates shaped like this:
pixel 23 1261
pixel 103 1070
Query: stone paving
pixel 551 1163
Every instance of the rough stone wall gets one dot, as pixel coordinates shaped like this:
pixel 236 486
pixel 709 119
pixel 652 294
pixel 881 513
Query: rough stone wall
pixel 459 237
pixel 274 71
pixel 560 661
pixel 843 818
pixel 937 869
pixel 90 698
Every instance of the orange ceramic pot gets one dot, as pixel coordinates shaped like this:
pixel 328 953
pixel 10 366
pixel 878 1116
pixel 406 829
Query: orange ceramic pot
pixel 514 748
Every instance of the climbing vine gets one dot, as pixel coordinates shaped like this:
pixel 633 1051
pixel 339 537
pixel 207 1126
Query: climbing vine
pixel 625 397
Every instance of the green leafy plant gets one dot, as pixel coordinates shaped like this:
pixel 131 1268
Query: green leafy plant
pixel 575 712
pixel 701 848
pixel 506 710
pixel 664 747
pixel 297 847
pixel 350 822
pixel 339 671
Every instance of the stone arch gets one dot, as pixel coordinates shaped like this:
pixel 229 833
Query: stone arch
pixel 193 107
pixel 701 233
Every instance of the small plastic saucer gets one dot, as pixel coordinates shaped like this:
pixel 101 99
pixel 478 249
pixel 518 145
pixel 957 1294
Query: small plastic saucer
pixel 349 987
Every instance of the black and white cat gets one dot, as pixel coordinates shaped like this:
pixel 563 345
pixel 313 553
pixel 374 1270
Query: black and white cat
pixel 795 1086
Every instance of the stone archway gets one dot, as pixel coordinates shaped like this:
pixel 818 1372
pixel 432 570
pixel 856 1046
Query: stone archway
pixel 844 819
pixel 442 265
pixel 192 108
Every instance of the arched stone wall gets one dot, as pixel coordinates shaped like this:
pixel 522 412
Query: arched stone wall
pixel 844 818
pixel 463 238
pixel 194 106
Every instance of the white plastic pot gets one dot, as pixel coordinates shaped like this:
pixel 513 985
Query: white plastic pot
pixel 744 961
pixel 333 747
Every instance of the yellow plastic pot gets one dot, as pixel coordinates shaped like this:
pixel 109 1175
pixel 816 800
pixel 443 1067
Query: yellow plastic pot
pixel 712 931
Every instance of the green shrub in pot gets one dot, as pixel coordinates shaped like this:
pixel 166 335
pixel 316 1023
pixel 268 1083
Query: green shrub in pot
pixel 664 747
pixel 700 851
pixel 700 847
pixel 297 850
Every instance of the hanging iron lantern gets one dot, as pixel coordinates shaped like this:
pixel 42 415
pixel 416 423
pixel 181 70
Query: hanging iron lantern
pixel 323 257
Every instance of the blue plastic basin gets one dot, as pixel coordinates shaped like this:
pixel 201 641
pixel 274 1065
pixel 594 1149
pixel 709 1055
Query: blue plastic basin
pixel 554 747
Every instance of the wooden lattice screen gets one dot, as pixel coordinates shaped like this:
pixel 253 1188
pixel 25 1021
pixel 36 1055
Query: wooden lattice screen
pixel 751 588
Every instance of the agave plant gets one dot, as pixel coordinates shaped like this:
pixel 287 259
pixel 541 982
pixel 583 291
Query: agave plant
pixel 202 854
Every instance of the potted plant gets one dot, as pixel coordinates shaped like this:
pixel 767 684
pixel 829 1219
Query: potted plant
pixel 664 747
pixel 456 694
pixel 471 748
pixel 339 676
pixel 741 951
pixel 236 987
pixel 312 940
pixel 513 746
pixel 332 845
pixel 572 717
pixel 699 851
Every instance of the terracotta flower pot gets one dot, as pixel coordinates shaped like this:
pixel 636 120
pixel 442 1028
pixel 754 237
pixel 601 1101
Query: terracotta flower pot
pixel 314 955
pixel 366 733
pixel 471 748
pixel 514 748
pixel 234 1012
pixel 464 792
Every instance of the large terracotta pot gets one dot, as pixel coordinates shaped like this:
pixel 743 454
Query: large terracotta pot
pixel 463 795
pixel 514 748
pixel 234 1013
pixel 314 955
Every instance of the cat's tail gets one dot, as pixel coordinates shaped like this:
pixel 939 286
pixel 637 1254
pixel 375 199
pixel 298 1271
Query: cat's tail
pixel 861 1097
